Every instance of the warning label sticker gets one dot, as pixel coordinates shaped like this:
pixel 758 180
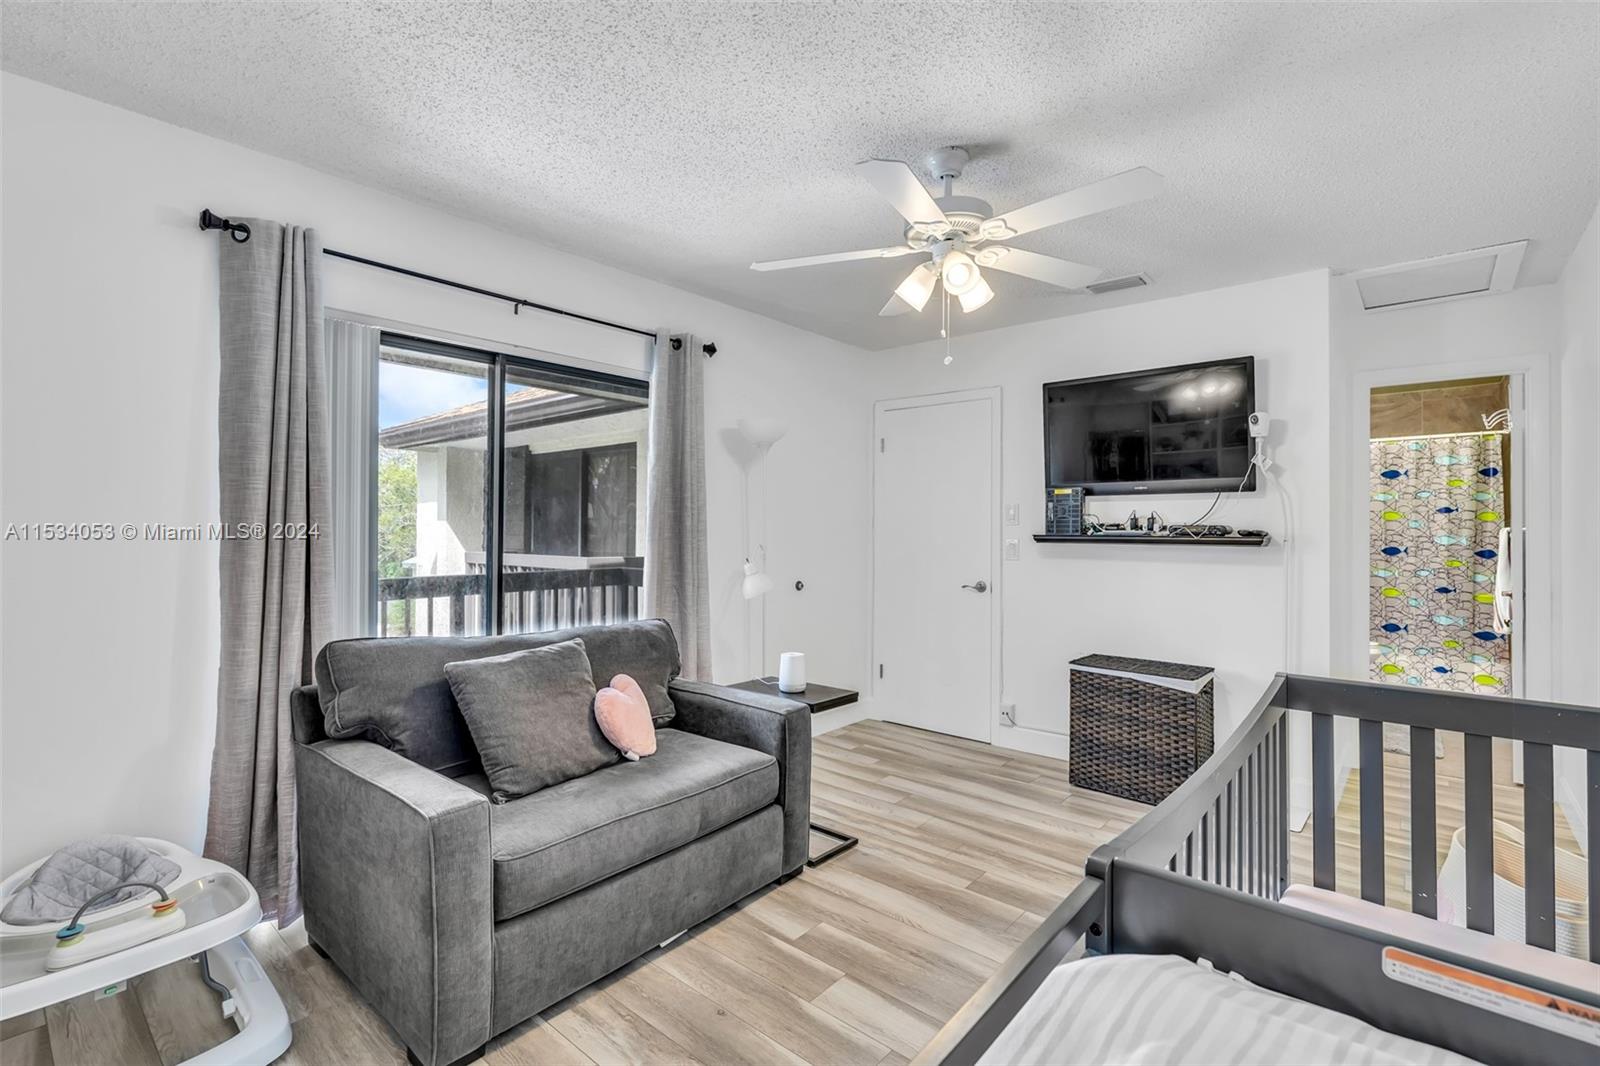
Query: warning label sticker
pixel 1506 998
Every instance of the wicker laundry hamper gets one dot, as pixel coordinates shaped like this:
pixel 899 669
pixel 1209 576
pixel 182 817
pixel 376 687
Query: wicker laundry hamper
pixel 1139 727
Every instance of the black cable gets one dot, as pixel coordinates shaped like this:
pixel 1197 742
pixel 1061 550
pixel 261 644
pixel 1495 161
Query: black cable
pixel 1191 528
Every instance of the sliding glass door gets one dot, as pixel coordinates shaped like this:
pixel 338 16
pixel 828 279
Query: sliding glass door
pixel 508 492
pixel 574 502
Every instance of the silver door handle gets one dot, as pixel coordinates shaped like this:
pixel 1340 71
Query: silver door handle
pixel 981 586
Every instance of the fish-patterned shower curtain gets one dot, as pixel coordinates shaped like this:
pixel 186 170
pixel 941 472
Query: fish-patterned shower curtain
pixel 1438 504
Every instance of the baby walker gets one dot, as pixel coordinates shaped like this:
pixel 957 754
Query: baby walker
pixel 203 912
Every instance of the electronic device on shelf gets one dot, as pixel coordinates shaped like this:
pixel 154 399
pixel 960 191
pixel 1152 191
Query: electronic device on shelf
pixel 1063 511
pixel 1252 533
pixel 1212 530
pixel 1174 429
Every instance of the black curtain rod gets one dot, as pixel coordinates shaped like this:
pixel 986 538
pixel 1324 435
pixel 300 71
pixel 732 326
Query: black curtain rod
pixel 241 233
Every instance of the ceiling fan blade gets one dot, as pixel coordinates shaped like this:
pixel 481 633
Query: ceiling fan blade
pixel 1129 187
pixel 896 183
pixel 1044 268
pixel 833 257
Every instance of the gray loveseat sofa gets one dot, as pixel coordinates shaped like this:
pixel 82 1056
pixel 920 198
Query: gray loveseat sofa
pixel 456 917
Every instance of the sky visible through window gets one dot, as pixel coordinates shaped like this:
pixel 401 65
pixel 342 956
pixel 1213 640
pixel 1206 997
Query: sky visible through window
pixel 410 392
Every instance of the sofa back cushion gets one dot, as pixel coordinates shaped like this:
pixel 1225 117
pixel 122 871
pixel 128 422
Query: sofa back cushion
pixel 393 690
pixel 531 715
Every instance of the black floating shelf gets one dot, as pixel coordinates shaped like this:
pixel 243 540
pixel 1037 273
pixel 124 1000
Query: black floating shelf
pixel 1232 541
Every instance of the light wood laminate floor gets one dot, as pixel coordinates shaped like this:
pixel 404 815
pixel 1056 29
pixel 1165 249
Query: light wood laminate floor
pixel 963 848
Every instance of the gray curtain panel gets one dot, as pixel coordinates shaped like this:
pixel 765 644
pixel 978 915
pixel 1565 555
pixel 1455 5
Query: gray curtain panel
pixel 677 581
pixel 277 578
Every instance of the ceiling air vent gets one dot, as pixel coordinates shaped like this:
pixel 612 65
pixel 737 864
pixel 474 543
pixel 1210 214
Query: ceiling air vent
pixel 1443 277
pixel 1128 281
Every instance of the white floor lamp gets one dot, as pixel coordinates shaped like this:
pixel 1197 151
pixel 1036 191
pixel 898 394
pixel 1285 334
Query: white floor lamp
pixel 762 433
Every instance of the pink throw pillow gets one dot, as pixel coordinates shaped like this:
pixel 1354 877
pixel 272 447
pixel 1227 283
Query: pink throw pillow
pixel 624 717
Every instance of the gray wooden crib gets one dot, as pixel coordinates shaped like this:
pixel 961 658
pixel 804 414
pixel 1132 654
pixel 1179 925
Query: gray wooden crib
pixel 1202 875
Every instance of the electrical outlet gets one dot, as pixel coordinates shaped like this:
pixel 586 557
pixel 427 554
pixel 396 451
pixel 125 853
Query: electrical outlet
pixel 1008 714
pixel 1013 515
pixel 1013 549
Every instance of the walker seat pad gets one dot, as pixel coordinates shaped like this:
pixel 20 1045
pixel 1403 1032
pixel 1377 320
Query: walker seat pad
pixel 82 870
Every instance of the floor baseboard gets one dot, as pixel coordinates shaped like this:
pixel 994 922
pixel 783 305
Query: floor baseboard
pixel 1032 741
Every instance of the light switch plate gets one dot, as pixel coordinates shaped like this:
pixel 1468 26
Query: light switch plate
pixel 1013 549
pixel 1013 517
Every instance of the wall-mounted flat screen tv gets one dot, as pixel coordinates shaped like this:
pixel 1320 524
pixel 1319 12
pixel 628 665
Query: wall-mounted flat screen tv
pixel 1176 429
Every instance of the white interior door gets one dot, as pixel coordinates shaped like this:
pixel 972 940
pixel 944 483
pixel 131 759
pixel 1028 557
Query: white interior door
pixel 934 567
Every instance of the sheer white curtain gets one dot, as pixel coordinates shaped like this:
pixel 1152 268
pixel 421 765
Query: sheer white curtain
pixel 353 395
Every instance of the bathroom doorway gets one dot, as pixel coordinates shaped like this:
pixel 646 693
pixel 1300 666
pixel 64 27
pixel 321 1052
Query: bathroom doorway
pixel 1444 543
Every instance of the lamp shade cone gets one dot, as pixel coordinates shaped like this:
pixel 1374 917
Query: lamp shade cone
pixel 756 584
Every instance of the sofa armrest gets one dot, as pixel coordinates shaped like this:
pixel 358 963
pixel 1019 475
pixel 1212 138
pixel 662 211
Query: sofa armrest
pixel 780 727
pixel 396 880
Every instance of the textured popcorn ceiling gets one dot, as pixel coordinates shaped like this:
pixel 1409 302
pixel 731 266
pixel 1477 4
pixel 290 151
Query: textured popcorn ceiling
pixel 682 141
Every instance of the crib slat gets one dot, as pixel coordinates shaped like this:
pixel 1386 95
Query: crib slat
pixel 1371 811
pixel 1271 861
pixel 1263 819
pixel 1219 827
pixel 1424 826
pixel 1268 834
pixel 1247 826
pixel 1593 834
pixel 1252 827
pixel 1230 829
pixel 1205 846
pixel 1480 832
pixel 1283 807
pixel 1539 844
pixel 1322 801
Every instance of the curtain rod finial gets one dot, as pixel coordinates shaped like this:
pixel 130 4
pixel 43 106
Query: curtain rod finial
pixel 237 230
pixel 709 348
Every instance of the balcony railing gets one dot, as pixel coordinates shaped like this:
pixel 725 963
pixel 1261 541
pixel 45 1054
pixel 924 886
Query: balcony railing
pixel 531 600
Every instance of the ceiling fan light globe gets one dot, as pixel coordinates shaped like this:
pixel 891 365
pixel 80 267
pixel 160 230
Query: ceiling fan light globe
pixel 976 296
pixel 959 272
pixel 917 287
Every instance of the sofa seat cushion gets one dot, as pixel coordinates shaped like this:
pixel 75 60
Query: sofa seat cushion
pixel 572 835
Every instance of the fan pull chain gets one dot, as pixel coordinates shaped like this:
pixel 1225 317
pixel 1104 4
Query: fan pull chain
pixel 944 330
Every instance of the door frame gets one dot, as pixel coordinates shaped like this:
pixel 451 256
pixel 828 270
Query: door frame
pixel 1533 485
pixel 992 395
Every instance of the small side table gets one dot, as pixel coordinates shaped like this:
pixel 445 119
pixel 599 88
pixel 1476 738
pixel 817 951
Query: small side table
pixel 818 698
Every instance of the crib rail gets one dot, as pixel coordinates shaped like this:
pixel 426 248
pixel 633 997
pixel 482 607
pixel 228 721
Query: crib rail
pixel 1481 719
pixel 1200 875
pixel 1229 823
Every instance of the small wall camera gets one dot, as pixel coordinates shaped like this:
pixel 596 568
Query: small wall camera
pixel 1259 423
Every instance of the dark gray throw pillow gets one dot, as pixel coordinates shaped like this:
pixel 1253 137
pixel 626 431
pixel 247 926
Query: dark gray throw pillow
pixel 531 715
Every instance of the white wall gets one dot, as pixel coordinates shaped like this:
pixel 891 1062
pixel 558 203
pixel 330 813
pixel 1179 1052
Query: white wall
pixel 1222 607
pixel 1578 504
pixel 109 409
pixel 1578 508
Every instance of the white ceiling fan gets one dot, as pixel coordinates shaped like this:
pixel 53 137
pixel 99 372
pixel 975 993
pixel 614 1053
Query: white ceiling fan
pixel 962 234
